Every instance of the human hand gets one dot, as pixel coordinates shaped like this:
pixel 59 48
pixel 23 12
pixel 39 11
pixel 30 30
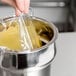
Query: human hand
pixel 21 6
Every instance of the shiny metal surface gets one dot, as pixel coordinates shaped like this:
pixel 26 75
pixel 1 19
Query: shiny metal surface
pixel 48 4
pixel 43 70
pixel 40 72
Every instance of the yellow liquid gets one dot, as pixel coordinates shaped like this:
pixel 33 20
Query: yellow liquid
pixel 10 38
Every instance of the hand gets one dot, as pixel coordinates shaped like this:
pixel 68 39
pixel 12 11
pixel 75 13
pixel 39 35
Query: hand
pixel 21 6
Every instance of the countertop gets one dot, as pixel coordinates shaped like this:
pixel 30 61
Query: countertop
pixel 64 63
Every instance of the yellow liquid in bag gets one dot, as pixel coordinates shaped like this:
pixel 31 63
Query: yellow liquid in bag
pixel 10 38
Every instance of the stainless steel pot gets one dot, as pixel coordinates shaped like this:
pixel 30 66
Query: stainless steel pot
pixel 35 63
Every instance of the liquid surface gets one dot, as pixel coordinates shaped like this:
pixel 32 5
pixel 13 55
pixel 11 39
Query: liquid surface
pixel 10 37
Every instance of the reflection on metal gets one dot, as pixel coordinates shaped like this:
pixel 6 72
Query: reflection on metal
pixel 48 4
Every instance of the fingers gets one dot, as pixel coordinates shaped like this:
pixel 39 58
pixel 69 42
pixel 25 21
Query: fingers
pixel 13 3
pixel 26 6
pixel 10 2
pixel 20 5
pixel 17 12
pixel 23 5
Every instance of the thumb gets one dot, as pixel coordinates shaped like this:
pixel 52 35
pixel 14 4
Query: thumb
pixel 20 5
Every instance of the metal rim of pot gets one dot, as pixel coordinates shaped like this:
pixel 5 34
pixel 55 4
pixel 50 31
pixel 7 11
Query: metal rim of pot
pixel 51 25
